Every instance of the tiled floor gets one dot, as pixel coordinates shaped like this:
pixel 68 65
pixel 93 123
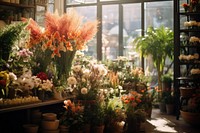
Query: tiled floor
pixel 163 123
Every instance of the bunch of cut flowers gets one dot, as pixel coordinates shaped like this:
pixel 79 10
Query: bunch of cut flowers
pixel 72 116
pixel 85 81
pixel 131 103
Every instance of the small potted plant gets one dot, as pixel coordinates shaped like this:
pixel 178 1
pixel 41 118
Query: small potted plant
pixel 98 117
pixel 166 82
pixel 72 117
pixel 169 103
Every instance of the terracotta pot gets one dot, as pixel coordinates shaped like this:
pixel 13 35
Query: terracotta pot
pixel 50 125
pixel 186 92
pixel 51 131
pixel 191 118
pixel 49 116
pixel 30 128
pixel 64 129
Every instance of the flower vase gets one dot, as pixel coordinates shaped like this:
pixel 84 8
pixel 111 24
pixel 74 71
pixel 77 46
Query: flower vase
pixel 133 125
pixel 41 95
pixel 63 65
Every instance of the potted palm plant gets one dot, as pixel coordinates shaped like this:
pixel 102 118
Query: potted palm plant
pixel 158 42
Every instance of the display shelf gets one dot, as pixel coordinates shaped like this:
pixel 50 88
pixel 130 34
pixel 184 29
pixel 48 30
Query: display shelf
pixel 190 30
pixel 31 105
pixel 16 5
pixel 184 46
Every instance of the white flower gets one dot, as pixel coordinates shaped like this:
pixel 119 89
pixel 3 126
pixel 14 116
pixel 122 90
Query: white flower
pixel 193 23
pixel 76 68
pixel 195 71
pixel 27 84
pixel 190 57
pixel 101 69
pixel 46 85
pixel 86 73
pixel 196 56
pixel 194 39
pixel 120 87
pixel 36 81
pixel 72 81
pixel 187 24
pixel 12 76
pixel 84 90
pixel 111 90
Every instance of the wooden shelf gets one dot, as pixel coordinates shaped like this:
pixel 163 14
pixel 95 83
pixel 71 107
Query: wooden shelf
pixel 16 5
pixel 29 106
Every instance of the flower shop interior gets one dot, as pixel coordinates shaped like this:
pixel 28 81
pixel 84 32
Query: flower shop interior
pixel 99 66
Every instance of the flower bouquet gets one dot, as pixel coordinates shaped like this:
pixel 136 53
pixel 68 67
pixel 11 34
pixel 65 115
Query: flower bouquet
pixel 61 37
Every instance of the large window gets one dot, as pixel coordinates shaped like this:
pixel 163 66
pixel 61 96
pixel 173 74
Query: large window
pixel 110 31
pixel 89 13
pixel 121 21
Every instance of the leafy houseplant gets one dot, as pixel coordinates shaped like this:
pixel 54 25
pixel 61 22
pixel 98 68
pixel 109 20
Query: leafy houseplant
pixel 8 36
pixel 159 44
pixel 166 82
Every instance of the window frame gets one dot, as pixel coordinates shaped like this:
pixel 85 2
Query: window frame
pixel 99 5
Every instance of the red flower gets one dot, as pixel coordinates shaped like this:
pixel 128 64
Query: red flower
pixel 42 76
pixel 185 5
pixel 3 82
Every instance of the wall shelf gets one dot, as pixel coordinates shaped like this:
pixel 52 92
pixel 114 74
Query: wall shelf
pixel 30 106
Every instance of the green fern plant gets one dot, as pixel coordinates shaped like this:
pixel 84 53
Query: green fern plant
pixel 8 36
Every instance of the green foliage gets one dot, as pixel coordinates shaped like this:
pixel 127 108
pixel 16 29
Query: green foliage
pixel 98 114
pixel 167 97
pixel 166 78
pixel 8 36
pixel 158 43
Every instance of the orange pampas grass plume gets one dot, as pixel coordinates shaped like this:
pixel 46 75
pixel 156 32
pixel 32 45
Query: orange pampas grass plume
pixel 89 29
pixel 35 32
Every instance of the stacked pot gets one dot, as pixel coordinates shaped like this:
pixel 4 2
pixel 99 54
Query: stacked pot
pixel 49 123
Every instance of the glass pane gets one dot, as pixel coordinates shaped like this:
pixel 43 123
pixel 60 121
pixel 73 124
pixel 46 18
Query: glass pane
pixel 159 13
pixel 40 14
pixel 51 1
pixel 132 29
pixel 110 31
pixel 109 0
pixel 89 13
pixel 50 8
pixel 70 2
pixel 181 3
